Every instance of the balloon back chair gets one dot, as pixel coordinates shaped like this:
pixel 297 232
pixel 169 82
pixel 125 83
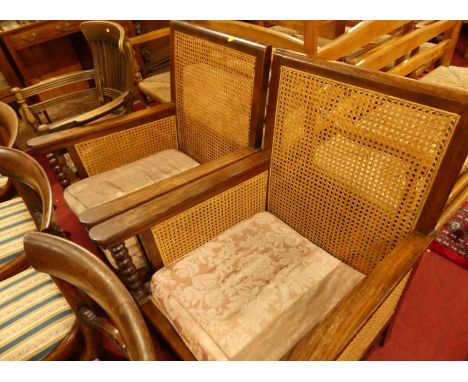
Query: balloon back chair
pixel 89 286
pixel 34 317
pixel 302 251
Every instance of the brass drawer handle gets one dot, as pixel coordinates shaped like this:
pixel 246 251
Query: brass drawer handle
pixel 30 37
pixel 63 28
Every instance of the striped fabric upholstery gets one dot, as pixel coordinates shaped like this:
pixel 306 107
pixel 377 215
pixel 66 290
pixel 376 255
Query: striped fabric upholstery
pixel 34 316
pixel 15 222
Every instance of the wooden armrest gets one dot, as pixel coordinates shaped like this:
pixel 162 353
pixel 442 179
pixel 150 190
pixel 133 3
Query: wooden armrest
pixel 153 35
pixel 108 210
pixel 65 138
pixel 328 339
pixel 87 117
pixel 56 82
pixel 146 215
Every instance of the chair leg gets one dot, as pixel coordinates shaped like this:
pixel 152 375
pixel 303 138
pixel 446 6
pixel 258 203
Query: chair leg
pixel 128 272
pixel 59 169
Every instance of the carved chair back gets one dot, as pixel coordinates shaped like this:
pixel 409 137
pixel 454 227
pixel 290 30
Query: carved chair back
pixel 218 84
pixel 80 275
pixel 359 159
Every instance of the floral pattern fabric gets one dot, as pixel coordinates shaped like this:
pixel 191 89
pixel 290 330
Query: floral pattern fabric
pixel 252 292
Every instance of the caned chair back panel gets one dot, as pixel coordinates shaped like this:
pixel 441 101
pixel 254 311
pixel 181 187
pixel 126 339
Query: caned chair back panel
pixel 122 147
pixel 75 269
pixel 218 85
pixel 112 57
pixel 351 167
pixel 182 233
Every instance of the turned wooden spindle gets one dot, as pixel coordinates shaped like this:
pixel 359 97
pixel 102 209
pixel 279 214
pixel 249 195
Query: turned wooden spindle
pixel 127 271
pixel 58 169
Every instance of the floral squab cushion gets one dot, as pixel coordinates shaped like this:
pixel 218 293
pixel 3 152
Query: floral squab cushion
pixel 252 292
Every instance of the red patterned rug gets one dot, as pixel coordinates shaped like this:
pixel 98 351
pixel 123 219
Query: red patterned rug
pixel 452 240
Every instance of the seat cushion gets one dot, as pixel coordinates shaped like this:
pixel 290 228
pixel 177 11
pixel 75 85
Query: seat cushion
pixel 15 222
pixel 112 184
pixel 34 316
pixel 158 87
pixel 451 76
pixel 252 292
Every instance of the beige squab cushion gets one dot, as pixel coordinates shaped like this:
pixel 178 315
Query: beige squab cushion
pixel 252 292
pixel 451 76
pixel 158 87
pixel 109 185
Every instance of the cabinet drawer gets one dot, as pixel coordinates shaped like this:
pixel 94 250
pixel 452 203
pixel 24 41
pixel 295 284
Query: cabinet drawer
pixel 42 33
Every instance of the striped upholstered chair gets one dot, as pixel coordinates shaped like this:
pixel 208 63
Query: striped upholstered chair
pixel 33 210
pixel 8 134
pixel 34 316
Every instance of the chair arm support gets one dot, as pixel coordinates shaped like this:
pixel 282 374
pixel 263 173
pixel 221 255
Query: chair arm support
pixel 56 82
pixel 66 138
pixel 108 210
pixel 329 338
pixel 148 214
pixel 150 36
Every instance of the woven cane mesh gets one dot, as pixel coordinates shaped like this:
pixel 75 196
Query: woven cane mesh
pixel 351 168
pixel 374 326
pixel 188 230
pixel 214 89
pixel 117 149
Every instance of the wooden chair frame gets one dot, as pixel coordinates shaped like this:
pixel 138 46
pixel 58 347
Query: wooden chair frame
pixel 33 186
pixel 334 336
pixel 372 44
pixel 120 96
pixel 8 133
pixel 76 270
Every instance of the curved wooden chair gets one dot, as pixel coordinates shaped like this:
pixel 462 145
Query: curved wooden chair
pixel 8 134
pixel 76 270
pixel 302 251
pixel 112 75
pixel 34 317
pixel 32 210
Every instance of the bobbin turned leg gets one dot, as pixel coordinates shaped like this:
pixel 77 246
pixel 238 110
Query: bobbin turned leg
pixel 127 271
pixel 58 168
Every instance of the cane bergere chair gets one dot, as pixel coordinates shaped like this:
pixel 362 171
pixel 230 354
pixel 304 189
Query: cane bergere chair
pixel 80 276
pixel 216 117
pixel 302 251
pixel 34 317
pixel 112 76
pixel 8 134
